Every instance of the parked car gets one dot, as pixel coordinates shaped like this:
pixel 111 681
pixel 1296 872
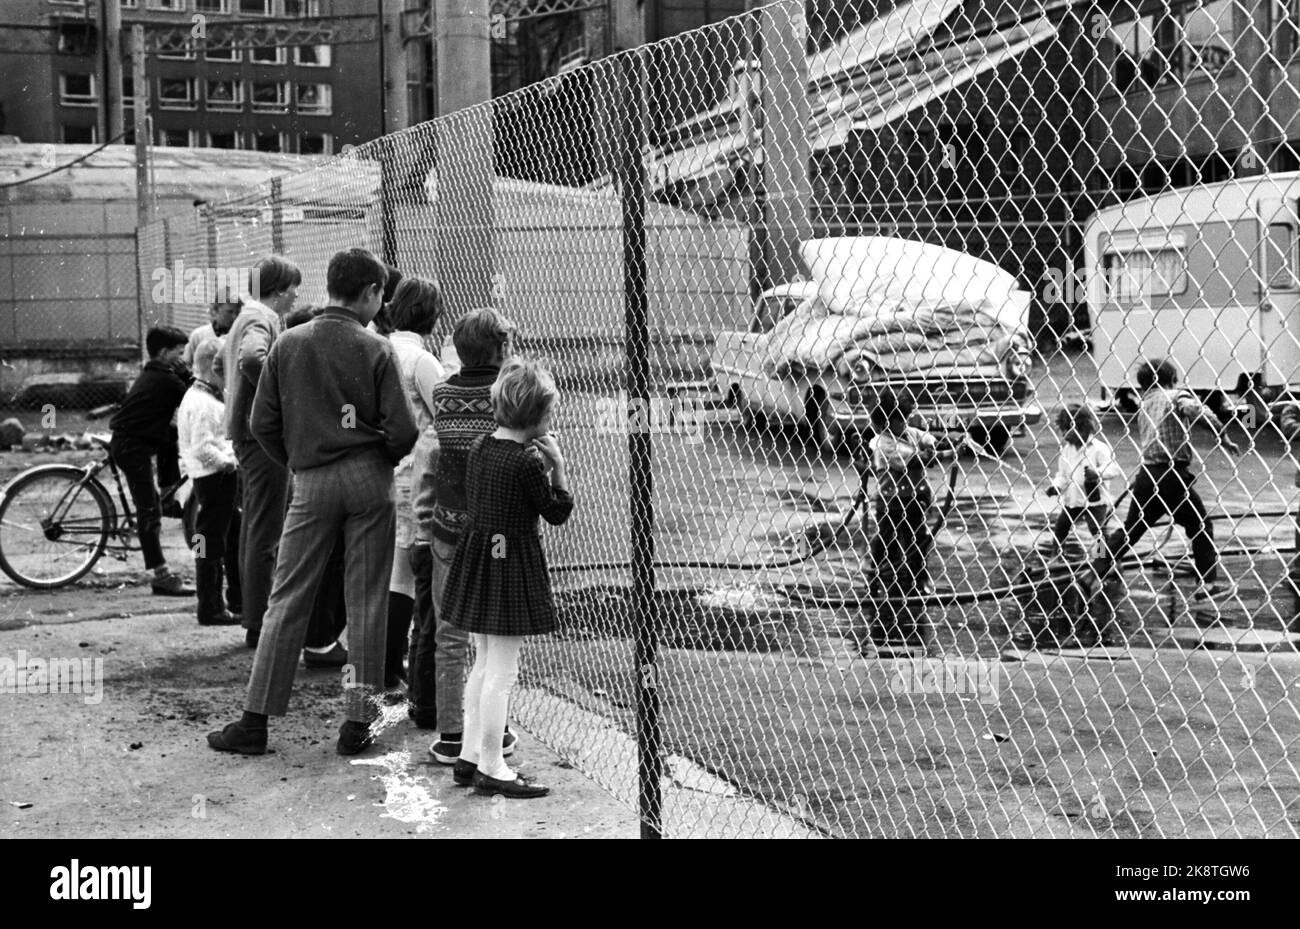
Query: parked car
pixel 884 312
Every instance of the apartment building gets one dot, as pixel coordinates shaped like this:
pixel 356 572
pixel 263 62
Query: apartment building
pixel 298 100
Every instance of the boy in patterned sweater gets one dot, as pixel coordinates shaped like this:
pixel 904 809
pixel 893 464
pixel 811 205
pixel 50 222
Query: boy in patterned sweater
pixel 462 412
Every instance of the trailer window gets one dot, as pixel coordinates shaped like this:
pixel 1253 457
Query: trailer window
pixel 1131 276
pixel 1281 257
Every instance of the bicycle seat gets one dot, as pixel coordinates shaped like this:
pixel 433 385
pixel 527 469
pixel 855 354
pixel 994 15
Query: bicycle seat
pixel 101 439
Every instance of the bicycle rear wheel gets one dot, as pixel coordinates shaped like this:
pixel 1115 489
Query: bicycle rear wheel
pixel 54 526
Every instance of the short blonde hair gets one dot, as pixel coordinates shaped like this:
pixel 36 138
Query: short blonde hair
pixel 523 393
pixel 206 356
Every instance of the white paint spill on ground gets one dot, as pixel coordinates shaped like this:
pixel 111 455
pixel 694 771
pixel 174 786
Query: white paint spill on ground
pixel 389 716
pixel 407 798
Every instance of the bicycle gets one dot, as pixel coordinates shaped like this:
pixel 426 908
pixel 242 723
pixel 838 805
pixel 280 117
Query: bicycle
pixel 58 520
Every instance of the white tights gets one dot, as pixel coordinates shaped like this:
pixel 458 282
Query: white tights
pixel 487 696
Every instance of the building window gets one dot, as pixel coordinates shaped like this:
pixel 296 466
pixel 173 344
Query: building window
pixel 175 6
pixel 80 135
pixel 270 95
pixel 315 99
pixel 179 50
pixel 312 56
pixel 1185 41
pixel 302 7
pixel 129 4
pixel 255 7
pixel 178 138
pixel 229 53
pixel 128 90
pixel 315 143
pixel 76 38
pixel 211 6
pixel 223 140
pixel 270 142
pixel 266 55
pixel 225 95
pixel 77 90
pixel 177 93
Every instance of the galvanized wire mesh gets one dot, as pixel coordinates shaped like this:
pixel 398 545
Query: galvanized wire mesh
pixel 995 211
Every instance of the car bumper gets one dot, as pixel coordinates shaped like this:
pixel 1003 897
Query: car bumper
pixel 946 419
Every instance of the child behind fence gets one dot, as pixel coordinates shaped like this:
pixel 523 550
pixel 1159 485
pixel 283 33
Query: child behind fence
pixel 900 550
pixel 499 589
pixel 1085 469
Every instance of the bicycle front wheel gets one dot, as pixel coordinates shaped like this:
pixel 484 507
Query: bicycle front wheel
pixel 54 526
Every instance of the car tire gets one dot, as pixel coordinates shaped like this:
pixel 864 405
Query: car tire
pixel 993 440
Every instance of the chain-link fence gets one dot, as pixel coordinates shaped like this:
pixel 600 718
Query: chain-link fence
pixel 54 284
pixel 872 532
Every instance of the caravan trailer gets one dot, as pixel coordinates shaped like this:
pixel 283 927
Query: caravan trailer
pixel 1208 276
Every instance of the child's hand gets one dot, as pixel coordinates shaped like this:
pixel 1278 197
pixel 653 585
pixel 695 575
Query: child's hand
pixel 1229 445
pixel 549 447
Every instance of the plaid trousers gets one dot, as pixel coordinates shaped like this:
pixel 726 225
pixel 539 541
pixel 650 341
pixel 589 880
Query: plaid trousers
pixel 353 498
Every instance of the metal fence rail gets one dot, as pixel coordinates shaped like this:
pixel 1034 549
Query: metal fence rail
pixel 734 247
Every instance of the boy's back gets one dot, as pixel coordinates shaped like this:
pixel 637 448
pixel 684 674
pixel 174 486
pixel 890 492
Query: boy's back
pixel 330 388
pixel 146 412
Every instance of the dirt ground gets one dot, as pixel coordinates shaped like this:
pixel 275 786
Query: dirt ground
pixel 135 763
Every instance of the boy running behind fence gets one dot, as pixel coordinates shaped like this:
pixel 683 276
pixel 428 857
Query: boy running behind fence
pixel 1084 473
pixel 1163 487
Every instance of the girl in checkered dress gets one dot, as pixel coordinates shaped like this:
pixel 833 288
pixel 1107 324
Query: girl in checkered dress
pixel 498 588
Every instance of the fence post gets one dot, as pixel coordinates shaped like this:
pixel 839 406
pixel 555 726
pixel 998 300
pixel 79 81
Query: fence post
pixel 277 216
pixel 645 617
pixel 388 180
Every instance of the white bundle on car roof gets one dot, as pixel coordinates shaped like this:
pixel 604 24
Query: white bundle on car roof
pixel 901 306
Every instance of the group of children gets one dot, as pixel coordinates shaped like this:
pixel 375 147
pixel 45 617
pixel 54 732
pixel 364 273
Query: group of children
pixel 481 468
pixel 1084 482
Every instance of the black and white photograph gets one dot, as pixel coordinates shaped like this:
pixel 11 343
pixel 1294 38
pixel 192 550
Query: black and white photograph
pixel 852 419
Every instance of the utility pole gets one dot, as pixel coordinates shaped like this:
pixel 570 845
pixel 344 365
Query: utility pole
pixel 397 115
pixel 111 16
pixel 775 86
pixel 463 171
pixel 141 111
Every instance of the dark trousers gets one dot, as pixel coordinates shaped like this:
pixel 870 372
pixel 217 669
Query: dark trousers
pixel 1166 490
pixel 135 459
pixel 329 612
pixel 216 526
pixel 350 498
pixel 901 552
pixel 169 461
pixel 423 685
pixel 266 494
pixel 1095 516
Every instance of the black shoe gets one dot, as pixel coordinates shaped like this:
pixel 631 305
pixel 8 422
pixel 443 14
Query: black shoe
pixel 445 752
pixel 354 737
pixel 521 788
pixel 235 738
pixel 336 657
pixel 171 585
pixel 251 637
pixel 463 773
pixel 221 619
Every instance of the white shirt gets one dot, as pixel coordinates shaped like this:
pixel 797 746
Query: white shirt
pixel 1069 480
pixel 201 434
